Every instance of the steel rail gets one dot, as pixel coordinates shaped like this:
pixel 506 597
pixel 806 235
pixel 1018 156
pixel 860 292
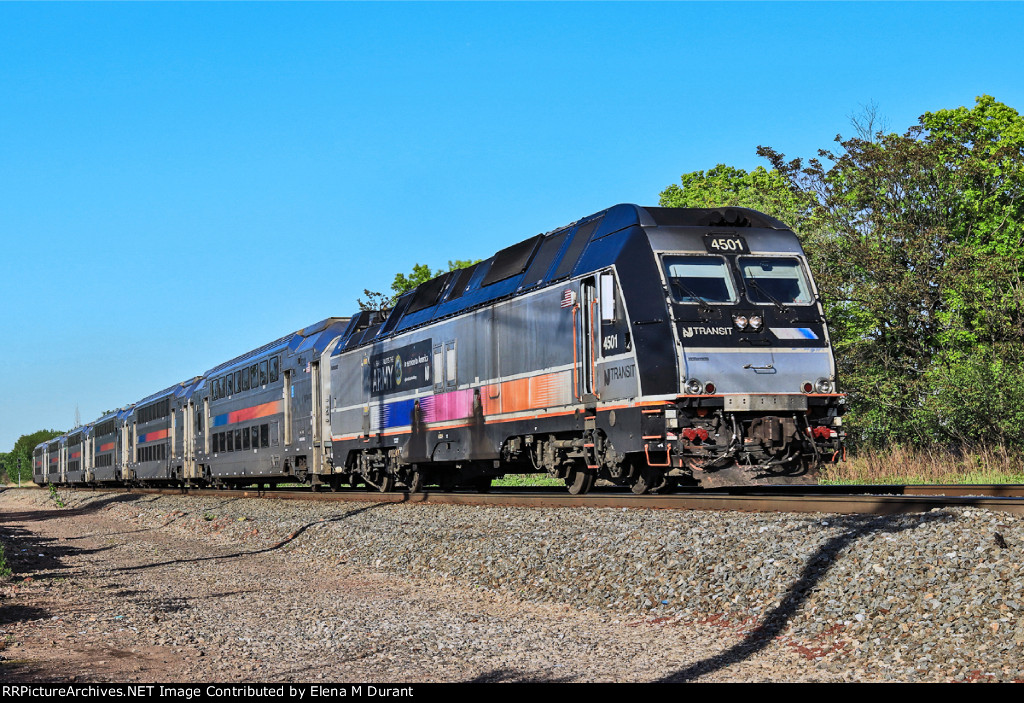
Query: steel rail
pixel 761 501
pixel 945 489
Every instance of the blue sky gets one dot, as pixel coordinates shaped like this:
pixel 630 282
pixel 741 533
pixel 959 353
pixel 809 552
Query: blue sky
pixel 180 183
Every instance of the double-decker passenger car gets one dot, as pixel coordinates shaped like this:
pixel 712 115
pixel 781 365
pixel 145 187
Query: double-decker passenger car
pixel 39 472
pixel 103 451
pixel 643 346
pixel 259 417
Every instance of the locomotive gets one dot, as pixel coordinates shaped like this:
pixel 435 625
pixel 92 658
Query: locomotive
pixel 648 347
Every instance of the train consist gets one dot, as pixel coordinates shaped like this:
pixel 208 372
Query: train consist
pixel 648 347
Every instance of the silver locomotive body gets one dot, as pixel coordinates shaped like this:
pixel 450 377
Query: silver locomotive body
pixel 644 346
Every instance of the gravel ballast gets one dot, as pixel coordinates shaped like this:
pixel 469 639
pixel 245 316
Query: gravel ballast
pixel 188 589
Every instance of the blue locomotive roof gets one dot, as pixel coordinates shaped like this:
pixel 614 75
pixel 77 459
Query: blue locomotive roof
pixel 583 246
pixel 498 277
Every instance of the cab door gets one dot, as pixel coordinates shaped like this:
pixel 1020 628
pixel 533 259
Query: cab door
pixel 586 319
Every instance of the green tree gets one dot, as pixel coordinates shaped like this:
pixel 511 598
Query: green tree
pixel 725 186
pixel 915 240
pixel 23 450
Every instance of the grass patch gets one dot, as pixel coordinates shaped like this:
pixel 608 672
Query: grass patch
pixel 55 497
pixel 515 480
pixel 5 569
pixel 909 466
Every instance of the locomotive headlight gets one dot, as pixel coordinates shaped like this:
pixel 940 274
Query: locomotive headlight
pixel 694 387
pixel 740 321
pixel 823 385
pixel 756 322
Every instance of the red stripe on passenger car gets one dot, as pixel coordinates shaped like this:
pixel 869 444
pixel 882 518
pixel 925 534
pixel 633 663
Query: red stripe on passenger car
pixel 153 436
pixel 255 412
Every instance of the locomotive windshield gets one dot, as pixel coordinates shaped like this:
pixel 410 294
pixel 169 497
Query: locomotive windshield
pixel 700 279
pixel 775 280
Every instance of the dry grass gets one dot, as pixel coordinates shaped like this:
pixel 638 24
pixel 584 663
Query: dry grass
pixel 904 465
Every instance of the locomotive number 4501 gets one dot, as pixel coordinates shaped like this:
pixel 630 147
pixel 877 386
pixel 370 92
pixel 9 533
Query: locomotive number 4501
pixel 725 244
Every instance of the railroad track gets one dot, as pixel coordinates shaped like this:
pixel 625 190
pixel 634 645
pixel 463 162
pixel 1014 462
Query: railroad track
pixel 872 500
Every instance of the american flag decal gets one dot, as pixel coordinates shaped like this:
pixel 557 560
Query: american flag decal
pixel 568 298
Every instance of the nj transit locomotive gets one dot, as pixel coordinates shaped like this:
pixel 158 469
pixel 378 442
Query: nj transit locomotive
pixel 644 346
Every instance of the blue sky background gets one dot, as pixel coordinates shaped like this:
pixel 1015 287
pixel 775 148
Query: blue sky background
pixel 180 183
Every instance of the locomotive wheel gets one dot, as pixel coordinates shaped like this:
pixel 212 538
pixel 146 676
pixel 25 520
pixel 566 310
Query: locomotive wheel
pixel 579 481
pixel 416 481
pixel 387 483
pixel 483 484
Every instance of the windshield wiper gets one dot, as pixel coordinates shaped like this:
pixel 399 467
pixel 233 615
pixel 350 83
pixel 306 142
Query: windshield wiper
pixel 702 305
pixel 752 282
